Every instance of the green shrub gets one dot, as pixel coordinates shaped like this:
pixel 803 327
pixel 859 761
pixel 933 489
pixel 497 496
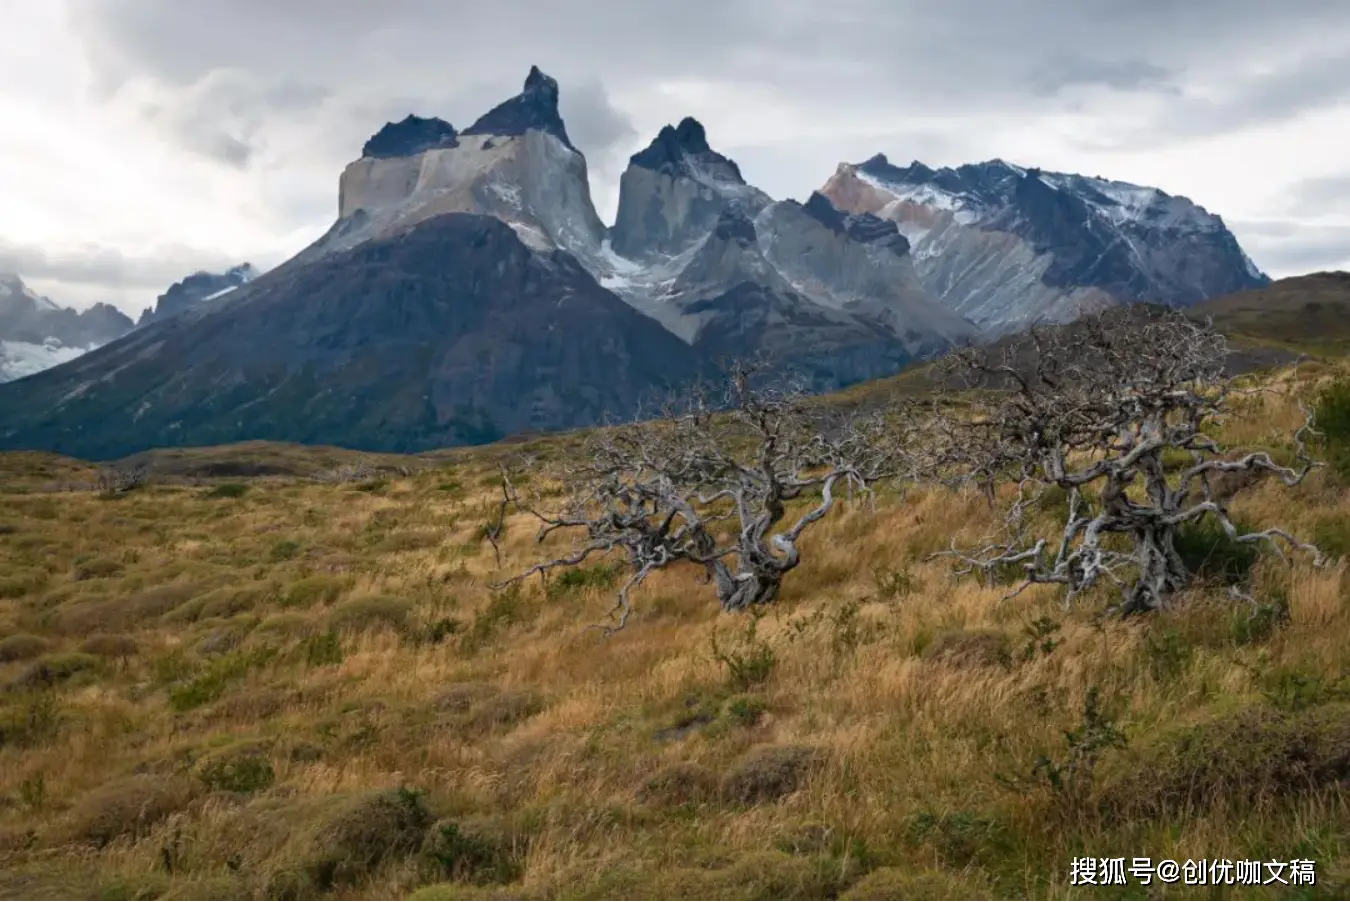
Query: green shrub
pixel 577 579
pixel 1209 554
pixel 320 589
pixel 365 833
pixel 475 851
pixel 324 649
pixel 227 490
pixel 243 768
pixel 217 678
pixel 1332 412
pixel 284 550
pixel 372 612
pixel 22 647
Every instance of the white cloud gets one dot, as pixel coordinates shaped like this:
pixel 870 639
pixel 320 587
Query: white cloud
pixel 145 138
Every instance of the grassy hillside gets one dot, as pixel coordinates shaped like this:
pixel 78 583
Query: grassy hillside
pixel 1309 313
pixel 279 686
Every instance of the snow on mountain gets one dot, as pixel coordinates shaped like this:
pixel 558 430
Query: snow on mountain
pixel 36 332
pixel 1007 245
pixel 24 358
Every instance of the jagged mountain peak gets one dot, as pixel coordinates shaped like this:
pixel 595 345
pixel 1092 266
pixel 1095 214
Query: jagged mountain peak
pixel 412 135
pixel 683 149
pixel 195 288
pixel 863 227
pixel 535 107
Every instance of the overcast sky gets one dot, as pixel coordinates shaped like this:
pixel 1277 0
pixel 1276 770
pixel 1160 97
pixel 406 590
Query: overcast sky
pixel 145 139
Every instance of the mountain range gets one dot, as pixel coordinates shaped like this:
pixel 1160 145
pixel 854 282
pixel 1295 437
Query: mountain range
pixel 36 333
pixel 469 290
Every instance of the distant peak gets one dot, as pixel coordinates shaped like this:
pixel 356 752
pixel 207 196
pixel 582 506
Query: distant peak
pixel 674 145
pixel 409 137
pixel 534 108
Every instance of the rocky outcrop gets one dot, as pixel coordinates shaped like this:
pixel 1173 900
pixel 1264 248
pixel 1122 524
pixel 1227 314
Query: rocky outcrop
pixel 412 135
pixel 515 164
pixel 198 287
pixel 535 108
pixel 1008 246
pixel 674 191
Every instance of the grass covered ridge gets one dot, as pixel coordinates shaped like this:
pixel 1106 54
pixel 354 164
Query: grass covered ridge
pixel 307 689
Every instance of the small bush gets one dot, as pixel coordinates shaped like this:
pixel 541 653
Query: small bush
pixel 1210 555
pixel 284 550
pixel 1238 761
pixel 243 768
pixel 1332 412
pixel 578 579
pixel 372 612
pixel 97 568
pixel 324 649
pixel 227 490
pixel 113 645
pixel 288 626
pixel 211 685
pixel 748 663
pixel 18 583
pixel 502 610
pixel 313 590
pixel 767 773
pixel 127 808
pixel 22 647
pixel 365 833
pixel 55 669
pixel 477 851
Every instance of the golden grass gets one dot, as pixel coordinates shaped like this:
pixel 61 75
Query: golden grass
pixel 245 627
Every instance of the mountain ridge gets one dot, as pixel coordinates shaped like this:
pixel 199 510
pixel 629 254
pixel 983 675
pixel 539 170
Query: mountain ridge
pixel 464 268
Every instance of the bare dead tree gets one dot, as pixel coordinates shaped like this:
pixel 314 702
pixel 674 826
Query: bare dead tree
pixel 710 482
pixel 1111 411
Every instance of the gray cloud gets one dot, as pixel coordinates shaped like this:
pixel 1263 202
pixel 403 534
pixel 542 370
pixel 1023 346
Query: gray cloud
pixel 1291 246
pixel 288 91
pixel 1120 75
pixel 108 267
pixel 1320 194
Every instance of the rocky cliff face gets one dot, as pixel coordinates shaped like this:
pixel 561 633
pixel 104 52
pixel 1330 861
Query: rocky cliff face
pixel 515 164
pixel 723 266
pixel 36 333
pixel 198 287
pixel 1007 246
